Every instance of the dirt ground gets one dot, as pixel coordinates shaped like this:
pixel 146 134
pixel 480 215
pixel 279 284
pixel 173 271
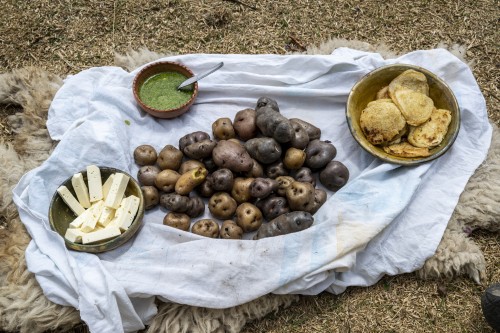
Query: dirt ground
pixel 65 37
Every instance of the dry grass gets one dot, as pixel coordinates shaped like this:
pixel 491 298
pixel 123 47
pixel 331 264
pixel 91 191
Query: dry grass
pixel 65 37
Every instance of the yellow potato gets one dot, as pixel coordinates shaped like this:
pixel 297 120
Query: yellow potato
pixel 189 180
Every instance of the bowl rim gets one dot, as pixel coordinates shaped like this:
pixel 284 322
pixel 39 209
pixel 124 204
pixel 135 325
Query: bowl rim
pixel 404 161
pixel 110 244
pixel 144 106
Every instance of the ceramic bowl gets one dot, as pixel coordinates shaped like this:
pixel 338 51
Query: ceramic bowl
pixel 365 90
pixel 60 215
pixel 157 68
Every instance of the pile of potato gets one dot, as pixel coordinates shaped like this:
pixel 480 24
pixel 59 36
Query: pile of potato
pixel 260 167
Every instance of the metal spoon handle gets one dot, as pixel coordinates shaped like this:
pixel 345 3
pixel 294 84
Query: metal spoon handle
pixel 200 76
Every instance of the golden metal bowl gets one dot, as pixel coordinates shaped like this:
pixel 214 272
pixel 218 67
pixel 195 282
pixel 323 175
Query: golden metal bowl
pixel 60 215
pixel 365 90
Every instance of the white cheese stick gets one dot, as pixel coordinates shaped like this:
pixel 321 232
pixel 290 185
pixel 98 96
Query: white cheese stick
pixel 70 200
pixel 126 212
pixel 77 223
pixel 95 212
pixel 81 190
pixel 107 185
pixel 117 190
pixel 95 183
pixel 107 215
pixel 73 235
pixel 99 235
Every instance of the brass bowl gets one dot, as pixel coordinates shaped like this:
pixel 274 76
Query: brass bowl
pixel 60 215
pixel 365 90
pixel 157 68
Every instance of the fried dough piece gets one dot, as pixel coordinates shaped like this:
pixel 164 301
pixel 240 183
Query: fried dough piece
pixel 432 132
pixel 409 79
pixel 381 121
pixel 415 107
pixel 404 149
pixel 383 93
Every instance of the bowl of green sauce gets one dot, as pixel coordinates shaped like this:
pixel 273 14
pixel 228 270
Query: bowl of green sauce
pixel 155 89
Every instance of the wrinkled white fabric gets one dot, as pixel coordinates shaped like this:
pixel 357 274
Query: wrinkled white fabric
pixel 388 219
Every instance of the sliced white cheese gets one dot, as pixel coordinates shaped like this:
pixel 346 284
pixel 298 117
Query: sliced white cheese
pixel 100 235
pixel 95 183
pixel 77 223
pixel 81 190
pixel 125 214
pixel 117 190
pixel 107 215
pixel 74 235
pixel 107 185
pixel 95 212
pixel 70 200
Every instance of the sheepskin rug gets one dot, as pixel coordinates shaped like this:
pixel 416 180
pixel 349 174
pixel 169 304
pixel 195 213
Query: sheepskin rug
pixel 24 308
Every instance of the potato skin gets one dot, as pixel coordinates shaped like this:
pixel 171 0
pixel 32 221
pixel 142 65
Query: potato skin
pixel 175 202
pixel 147 175
pixel 241 189
pixel 263 187
pixel 199 150
pixel 300 196
pixel 273 206
pixel 206 227
pixel 145 155
pixel 284 182
pixel 276 169
pixel 166 179
pixel 230 230
pixel 334 176
pixel 313 132
pixel 319 199
pixel 189 180
pixel 196 206
pixel 190 165
pixel 319 153
pixel 244 124
pixel 169 158
pixel 231 155
pixel 222 206
pixel 248 217
pixel 294 158
pixel 222 180
pixel 267 102
pixel 257 170
pixel 151 196
pixel 273 124
pixel 300 138
pixel 264 150
pixel 223 129
pixel 304 175
pixel 285 224
pixel 177 220
pixel 191 138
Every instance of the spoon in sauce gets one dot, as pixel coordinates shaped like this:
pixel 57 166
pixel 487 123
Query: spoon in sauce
pixel 200 76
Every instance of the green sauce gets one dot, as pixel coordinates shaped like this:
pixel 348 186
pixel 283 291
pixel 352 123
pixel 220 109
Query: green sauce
pixel 160 91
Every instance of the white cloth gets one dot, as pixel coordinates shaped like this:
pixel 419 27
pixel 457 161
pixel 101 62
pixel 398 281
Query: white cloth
pixel 388 219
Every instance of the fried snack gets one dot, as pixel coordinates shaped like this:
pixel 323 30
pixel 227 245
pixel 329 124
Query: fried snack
pixel 381 121
pixel 409 79
pixel 404 149
pixel 415 107
pixel 383 93
pixel 432 132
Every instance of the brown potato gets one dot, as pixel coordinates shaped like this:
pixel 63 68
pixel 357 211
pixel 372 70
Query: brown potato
pixel 244 124
pixel 145 155
pixel 151 196
pixel 175 202
pixel 223 129
pixel 222 180
pixel 241 189
pixel 334 176
pixel 166 179
pixel 300 137
pixel 263 187
pixel 190 165
pixel 199 150
pixel 294 158
pixel 230 230
pixel 231 155
pixel 272 207
pixel 319 153
pixel 313 132
pixel 147 175
pixel 248 217
pixel 206 227
pixel 285 224
pixel 222 206
pixel 177 220
pixel 300 196
pixel 276 169
pixel 257 170
pixel 284 182
pixel 319 199
pixel 189 180
pixel 169 158
pixel 304 175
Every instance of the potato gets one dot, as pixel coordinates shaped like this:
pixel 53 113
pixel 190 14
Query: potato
pixel 210 164
pixel 241 189
pixel 284 182
pixel 205 189
pixel 244 124
pixel 334 176
pixel 199 150
pixel 190 165
pixel 285 224
pixel 196 207
pixel 265 150
pixel 273 124
pixel 147 175
pixel 257 170
pixel 294 158
pixel 300 196
pixel 169 158
pixel 222 206
pixel 206 227
pixel 313 132
pixel 319 153
pixel 151 196
pixel 189 180
pixel 230 230
pixel 228 154
pixel 263 187
pixel 304 175
pixel 248 217
pixel 223 129
pixel 300 138
pixel 145 155
pixel 319 199
pixel 267 102
pixel 166 179
pixel 175 202
pixel 272 207
pixel 222 180
pixel 177 220
pixel 276 169
pixel 191 138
